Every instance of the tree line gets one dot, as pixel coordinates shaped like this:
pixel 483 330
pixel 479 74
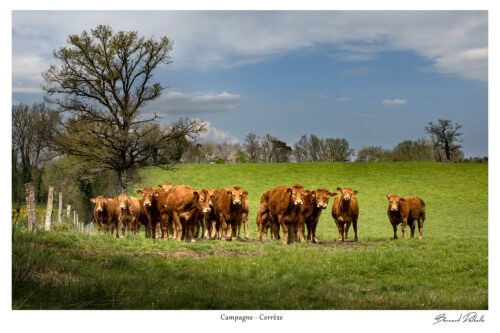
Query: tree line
pixel 94 134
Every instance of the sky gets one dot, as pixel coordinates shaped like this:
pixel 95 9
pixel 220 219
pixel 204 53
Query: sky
pixel 375 78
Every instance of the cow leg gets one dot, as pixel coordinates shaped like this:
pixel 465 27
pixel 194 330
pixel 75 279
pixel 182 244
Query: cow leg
pixel 284 228
pixel 309 232
pixel 214 229
pixel 412 228
pixel 346 230
pixel 177 226
pixel 420 227
pixel 313 230
pixel 355 228
pixel 301 228
pixel 261 225
pixel 403 227
pixel 395 228
pixel 245 227
pixel 340 226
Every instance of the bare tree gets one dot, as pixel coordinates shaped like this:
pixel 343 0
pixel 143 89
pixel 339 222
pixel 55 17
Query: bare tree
pixel 32 127
pixel 445 135
pixel 104 81
pixel 252 147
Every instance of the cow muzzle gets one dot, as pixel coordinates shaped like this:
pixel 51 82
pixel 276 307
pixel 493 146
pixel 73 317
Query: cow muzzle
pixel 99 209
pixel 298 202
pixel 237 202
pixel 322 206
pixel 206 210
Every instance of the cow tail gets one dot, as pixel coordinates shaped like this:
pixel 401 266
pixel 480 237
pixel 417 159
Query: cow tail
pixel 422 210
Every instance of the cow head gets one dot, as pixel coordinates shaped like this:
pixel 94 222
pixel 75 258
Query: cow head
pixel 346 193
pixel 297 191
pixel 394 201
pixel 236 195
pixel 167 186
pixel 321 197
pixel 206 200
pixel 122 201
pixel 99 202
pixel 148 194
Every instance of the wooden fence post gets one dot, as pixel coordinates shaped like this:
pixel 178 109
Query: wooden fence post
pixel 68 213
pixel 59 212
pixel 30 203
pixel 48 213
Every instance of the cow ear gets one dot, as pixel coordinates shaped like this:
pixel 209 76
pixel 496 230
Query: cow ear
pixel 313 193
pixel 401 199
pixel 92 200
pixel 388 195
pixel 339 189
pixel 196 195
pixel 354 192
pixel 139 192
pixel 245 193
pixel 333 194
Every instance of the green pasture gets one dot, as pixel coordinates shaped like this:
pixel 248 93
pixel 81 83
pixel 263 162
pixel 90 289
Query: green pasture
pixel 448 269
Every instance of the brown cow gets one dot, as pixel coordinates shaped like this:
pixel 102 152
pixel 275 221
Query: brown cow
pixel 164 227
pixel 345 210
pixel 313 204
pixel 155 222
pixel 406 210
pixel 182 206
pixel 167 186
pixel 128 212
pixel 281 205
pixel 207 216
pixel 242 218
pixel 227 209
pixel 104 213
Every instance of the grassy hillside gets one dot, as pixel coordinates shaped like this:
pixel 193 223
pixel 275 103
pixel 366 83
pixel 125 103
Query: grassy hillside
pixel 448 269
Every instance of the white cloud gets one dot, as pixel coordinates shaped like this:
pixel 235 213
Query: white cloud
pixel 215 135
pixel 394 102
pixel 454 42
pixel 179 103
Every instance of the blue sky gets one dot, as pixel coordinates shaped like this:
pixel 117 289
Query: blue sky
pixel 371 77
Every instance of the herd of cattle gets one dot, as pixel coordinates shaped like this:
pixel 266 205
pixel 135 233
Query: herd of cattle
pixel 181 212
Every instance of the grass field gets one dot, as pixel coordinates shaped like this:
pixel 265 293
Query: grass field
pixel 448 269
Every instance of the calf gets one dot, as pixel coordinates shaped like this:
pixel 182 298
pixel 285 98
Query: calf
pixel 406 210
pixel 313 204
pixel 227 209
pixel 128 212
pixel 206 209
pixel 104 213
pixel 152 213
pixel 281 205
pixel 243 218
pixel 345 211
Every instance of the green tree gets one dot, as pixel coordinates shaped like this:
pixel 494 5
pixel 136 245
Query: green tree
pixel 104 81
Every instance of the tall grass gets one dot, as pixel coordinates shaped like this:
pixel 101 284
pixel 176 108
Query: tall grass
pixel 448 269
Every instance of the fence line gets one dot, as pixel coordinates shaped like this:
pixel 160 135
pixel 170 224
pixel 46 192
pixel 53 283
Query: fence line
pixel 87 228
